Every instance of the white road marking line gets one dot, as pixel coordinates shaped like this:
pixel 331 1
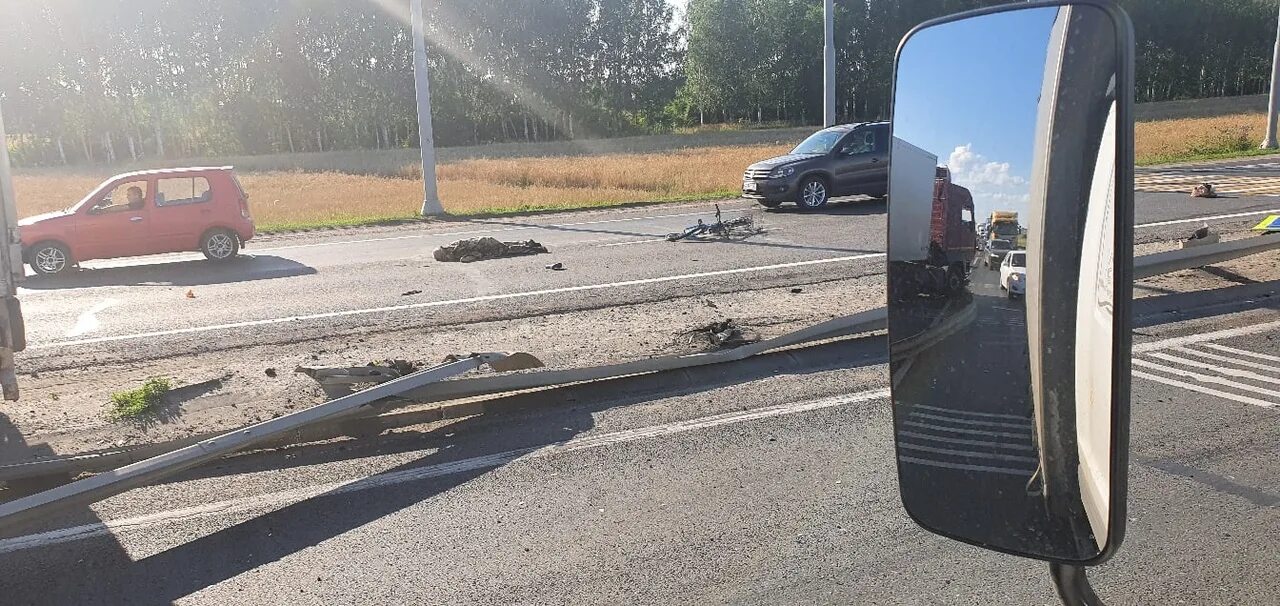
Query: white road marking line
pixel 1252 213
pixel 1241 352
pixel 1222 370
pixel 968 454
pixel 630 242
pixel 1207 336
pixel 1204 390
pixel 1202 378
pixel 427 304
pixel 1005 470
pixel 494 230
pixel 1024 425
pixel 286 497
pixel 1237 361
pixel 88 321
pixel 966 430
pixel 933 438
pixel 994 415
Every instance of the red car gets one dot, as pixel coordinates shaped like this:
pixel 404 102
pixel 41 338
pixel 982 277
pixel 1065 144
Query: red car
pixel 143 213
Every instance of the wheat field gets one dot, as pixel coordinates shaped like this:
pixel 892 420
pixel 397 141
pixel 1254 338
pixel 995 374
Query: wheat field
pixel 1171 140
pixel 290 199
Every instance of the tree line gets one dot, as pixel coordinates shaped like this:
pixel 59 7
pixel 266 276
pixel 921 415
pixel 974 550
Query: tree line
pixel 103 81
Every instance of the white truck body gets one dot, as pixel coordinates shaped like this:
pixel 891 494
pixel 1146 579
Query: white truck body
pixel 911 180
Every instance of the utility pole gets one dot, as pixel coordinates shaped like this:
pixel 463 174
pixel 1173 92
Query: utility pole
pixel 426 139
pixel 829 63
pixel 13 336
pixel 1273 107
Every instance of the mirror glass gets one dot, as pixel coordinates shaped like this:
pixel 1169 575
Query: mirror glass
pixel 1001 243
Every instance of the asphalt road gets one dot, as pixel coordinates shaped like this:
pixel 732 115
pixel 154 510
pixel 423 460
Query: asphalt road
pixel 325 283
pixel 780 490
pixel 366 278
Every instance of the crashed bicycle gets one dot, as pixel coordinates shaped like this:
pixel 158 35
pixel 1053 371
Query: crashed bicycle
pixel 719 228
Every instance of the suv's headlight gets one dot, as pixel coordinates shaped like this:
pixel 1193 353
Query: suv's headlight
pixel 782 171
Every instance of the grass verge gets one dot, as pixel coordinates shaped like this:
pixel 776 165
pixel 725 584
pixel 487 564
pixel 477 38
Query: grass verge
pixel 136 403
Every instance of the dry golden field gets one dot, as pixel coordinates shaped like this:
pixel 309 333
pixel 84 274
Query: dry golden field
pixel 285 199
pixel 1190 138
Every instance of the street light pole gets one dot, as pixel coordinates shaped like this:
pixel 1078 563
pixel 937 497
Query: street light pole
pixel 426 138
pixel 829 64
pixel 1273 106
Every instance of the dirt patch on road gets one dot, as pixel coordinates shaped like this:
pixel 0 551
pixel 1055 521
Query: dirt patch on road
pixel 65 409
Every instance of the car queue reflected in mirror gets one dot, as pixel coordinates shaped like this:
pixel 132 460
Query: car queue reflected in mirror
pixel 1008 351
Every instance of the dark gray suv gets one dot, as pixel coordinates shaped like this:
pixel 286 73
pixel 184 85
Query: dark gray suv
pixel 838 161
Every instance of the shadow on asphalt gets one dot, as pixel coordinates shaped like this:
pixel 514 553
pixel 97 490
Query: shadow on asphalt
pixel 847 208
pixel 176 273
pixel 1151 311
pixel 864 206
pixel 104 573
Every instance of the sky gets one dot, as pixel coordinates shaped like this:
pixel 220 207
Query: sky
pixel 968 93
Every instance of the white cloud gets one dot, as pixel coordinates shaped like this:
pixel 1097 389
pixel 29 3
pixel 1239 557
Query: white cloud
pixel 993 184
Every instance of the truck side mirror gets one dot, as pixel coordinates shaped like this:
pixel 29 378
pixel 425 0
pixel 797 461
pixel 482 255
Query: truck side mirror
pixel 1011 392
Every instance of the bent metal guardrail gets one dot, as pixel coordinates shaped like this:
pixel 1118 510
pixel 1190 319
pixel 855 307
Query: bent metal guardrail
pixel 1199 256
pixel 428 385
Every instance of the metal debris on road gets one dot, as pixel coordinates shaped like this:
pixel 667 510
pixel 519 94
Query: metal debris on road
pixel 480 249
pixel 338 381
pixel 410 293
pixel 556 267
pixel 1201 236
pixel 723 334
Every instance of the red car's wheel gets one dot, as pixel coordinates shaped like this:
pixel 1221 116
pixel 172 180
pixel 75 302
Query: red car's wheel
pixel 219 245
pixel 49 258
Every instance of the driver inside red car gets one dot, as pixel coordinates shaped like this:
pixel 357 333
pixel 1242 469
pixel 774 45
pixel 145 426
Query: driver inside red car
pixel 135 197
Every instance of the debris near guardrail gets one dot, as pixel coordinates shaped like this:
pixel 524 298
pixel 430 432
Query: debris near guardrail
pixel 338 381
pixel 481 249
pixel 723 334
pixel 1201 236
pixel 1204 190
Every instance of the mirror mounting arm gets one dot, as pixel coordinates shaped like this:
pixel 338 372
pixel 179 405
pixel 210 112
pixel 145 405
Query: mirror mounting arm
pixel 1073 585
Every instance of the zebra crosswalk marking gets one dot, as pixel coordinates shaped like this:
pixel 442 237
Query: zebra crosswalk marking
pixel 1242 352
pixel 1206 390
pixel 1211 379
pixel 936 436
pixel 1224 370
pixel 1211 356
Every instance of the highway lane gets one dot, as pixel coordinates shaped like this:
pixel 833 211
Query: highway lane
pixel 286 278
pixel 317 282
pixel 780 490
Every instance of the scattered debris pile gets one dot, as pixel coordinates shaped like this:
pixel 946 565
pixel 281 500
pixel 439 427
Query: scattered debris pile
pixel 1204 235
pixel 480 249
pixel 1204 190
pixel 724 334
pixel 341 381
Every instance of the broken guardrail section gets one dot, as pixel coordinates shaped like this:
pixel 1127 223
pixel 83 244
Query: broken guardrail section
pixel 95 488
